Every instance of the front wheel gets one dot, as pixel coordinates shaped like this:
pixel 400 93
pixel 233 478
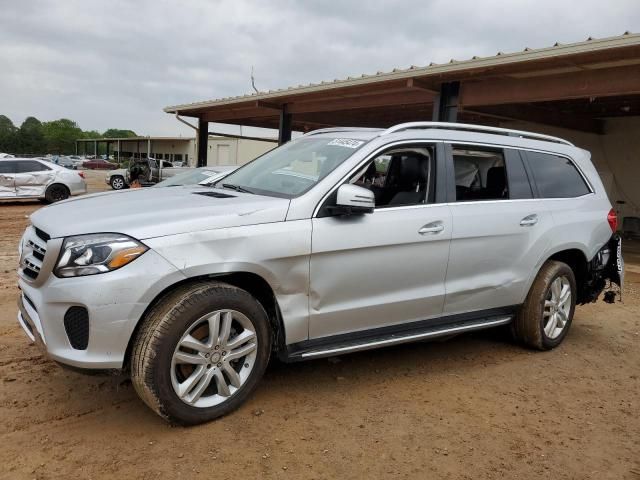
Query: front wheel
pixel 117 182
pixel 546 314
pixel 200 352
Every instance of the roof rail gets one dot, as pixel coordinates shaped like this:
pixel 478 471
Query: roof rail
pixel 341 129
pixel 474 128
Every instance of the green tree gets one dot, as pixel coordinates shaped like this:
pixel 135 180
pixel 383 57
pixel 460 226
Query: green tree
pixel 31 137
pixel 117 133
pixel 61 136
pixel 8 135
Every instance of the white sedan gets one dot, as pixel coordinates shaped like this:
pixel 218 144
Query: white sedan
pixel 34 178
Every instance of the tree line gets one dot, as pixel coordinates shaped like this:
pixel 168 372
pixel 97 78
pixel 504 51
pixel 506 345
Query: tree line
pixel 56 137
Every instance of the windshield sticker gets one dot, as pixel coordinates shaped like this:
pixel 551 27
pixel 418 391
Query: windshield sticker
pixel 345 142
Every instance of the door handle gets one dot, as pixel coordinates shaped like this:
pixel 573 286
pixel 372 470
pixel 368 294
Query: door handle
pixel 433 227
pixel 529 220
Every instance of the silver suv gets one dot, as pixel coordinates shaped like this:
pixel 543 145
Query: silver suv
pixel 339 241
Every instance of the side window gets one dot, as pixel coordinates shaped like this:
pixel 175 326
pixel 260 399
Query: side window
pixel 27 166
pixel 556 177
pixel 480 174
pixel 517 178
pixel 8 166
pixel 399 177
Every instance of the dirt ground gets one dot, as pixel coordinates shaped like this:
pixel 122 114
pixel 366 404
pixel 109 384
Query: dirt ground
pixel 476 406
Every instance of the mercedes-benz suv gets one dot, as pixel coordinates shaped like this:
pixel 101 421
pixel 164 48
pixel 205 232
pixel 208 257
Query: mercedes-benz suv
pixel 340 241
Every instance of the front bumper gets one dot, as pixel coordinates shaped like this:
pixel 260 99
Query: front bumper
pixel 115 302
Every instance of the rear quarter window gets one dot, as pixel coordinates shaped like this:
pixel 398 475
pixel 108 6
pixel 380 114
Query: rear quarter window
pixel 555 176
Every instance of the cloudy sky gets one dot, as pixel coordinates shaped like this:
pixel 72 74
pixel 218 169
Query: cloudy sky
pixel 116 64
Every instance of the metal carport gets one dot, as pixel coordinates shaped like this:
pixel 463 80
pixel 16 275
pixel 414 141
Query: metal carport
pixel 588 92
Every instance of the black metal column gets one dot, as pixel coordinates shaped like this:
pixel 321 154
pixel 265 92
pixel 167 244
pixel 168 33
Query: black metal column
pixel 284 131
pixel 445 106
pixel 202 142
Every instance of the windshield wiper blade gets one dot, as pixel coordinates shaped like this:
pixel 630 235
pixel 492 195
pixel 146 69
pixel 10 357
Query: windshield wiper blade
pixel 237 188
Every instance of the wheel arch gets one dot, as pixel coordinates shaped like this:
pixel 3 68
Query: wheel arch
pixel 253 283
pixel 575 256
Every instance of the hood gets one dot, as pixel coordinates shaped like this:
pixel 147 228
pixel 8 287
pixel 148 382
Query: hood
pixel 154 212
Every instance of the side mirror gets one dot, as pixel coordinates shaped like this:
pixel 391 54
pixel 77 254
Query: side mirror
pixel 353 200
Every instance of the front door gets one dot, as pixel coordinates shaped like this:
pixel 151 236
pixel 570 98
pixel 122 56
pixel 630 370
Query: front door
pixel 7 179
pixel 388 267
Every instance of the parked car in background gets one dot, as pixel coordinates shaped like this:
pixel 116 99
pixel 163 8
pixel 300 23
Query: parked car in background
pixel 25 178
pixel 198 176
pixel 6 155
pixel 146 171
pixel 66 162
pixel 77 160
pixel 98 164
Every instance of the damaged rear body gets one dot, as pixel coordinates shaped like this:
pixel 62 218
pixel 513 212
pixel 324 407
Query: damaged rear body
pixel 604 273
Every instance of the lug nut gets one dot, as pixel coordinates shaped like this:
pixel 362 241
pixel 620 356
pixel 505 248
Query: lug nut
pixel 219 364
pixel 206 355
pixel 217 347
pixel 224 353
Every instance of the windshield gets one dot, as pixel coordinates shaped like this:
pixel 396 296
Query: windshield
pixel 292 169
pixel 190 177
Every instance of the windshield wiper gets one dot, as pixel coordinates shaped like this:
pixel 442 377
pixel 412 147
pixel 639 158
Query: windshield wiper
pixel 237 188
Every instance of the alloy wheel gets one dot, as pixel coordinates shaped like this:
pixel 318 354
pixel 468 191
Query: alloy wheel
pixel 557 307
pixel 214 358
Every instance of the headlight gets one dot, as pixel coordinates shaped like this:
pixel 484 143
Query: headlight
pixel 97 253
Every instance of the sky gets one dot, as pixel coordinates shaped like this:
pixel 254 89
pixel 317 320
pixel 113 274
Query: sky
pixel 117 64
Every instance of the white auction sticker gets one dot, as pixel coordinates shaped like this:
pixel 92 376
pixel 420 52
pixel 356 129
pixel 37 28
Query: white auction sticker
pixel 345 142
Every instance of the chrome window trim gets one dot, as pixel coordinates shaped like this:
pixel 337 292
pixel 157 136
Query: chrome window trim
pixel 368 158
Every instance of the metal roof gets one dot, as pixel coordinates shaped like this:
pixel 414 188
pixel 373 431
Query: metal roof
pixel 627 39
pixel 134 139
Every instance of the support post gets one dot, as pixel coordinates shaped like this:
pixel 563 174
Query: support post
pixel 108 144
pixel 284 130
pixel 95 149
pixel 118 151
pixel 445 105
pixel 76 147
pixel 202 142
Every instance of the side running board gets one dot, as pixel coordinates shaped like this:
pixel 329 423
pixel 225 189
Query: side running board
pixel 397 338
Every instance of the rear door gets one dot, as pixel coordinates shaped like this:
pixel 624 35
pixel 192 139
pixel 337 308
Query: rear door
pixel 32 178
pixel 499 229
pixel 7 178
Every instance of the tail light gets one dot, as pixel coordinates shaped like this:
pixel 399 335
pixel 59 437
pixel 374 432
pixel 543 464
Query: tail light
pixel 612 218
pixel 81 174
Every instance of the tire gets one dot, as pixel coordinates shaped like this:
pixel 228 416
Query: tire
pixel 117 182
pixel 56 193
pixel 533 324
pixel 158 370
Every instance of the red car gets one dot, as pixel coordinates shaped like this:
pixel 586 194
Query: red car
pixel 99 164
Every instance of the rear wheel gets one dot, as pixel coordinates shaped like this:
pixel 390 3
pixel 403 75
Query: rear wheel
pixel 545 317
pixel 117 182
pixel 201 352
pixel 56 193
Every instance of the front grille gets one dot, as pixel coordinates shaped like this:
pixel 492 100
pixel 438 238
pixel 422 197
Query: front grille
pixel 42 235
pixel 34 249
pixel 76 324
